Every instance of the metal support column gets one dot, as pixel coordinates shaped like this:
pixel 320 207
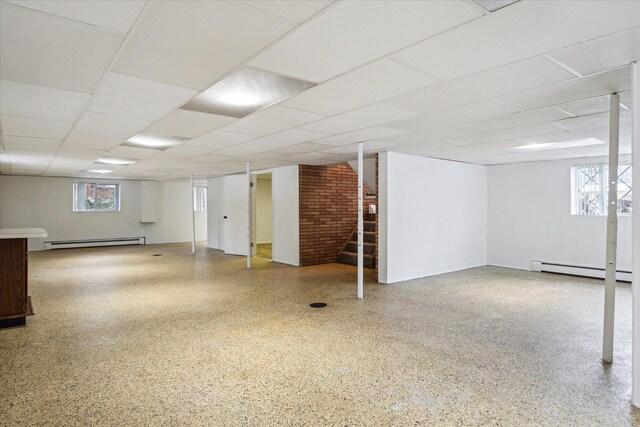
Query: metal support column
pixel 249 195
pixel 193 218
pixel 612 231
pixel 360 222
pixel 635 268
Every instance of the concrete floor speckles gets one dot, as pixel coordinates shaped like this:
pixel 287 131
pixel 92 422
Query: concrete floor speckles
pixel 124 338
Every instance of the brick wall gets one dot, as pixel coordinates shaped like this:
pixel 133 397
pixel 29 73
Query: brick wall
pixel 328 211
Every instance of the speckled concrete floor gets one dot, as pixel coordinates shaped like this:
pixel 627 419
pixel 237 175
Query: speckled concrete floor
pixel 121 337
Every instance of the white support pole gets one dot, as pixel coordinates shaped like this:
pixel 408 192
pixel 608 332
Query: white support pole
pixel 249 246
pixel 193 218
pixel 612 232
pixel 360 223
pixel 635 268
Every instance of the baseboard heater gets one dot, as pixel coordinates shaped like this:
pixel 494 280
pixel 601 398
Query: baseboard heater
pixel 573 270
pixel 118 241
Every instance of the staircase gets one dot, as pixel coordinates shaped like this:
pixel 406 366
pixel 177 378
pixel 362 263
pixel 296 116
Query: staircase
pixel 349 252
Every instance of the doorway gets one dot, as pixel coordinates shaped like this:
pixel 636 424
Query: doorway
pixel 262 218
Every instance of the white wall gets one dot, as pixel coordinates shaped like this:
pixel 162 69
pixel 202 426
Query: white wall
pixel 264 210
pixel 215 201
pixel 27 201
pixel 530 218
pixel 174 213
pixel 286 217
pixel 433 216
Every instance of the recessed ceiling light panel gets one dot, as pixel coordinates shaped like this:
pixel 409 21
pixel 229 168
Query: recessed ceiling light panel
pixel 493 5
pixel 245 91
pixel 159 142
pixel 99 170
pixel 120 161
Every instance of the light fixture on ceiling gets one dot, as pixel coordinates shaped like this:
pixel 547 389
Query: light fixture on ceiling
pixel 159 142
pixel 584 142
pixel 99 170
pixel 493 5
pixel 245 91
pixel 119 161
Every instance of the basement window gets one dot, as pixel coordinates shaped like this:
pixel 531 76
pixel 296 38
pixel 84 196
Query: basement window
pixel 590 190
pixel 200 199
pixel 96 197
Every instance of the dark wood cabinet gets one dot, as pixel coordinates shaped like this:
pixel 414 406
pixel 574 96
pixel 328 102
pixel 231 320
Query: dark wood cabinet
pixel 15 303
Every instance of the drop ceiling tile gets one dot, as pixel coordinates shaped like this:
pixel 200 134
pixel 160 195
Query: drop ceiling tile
pixel 162 159
pixel 600 120
pixel 362 135
pixel 287 137
pixel 188 124
pixel 220 139
pixel 304 147
pixel 602 54
pixel 210 159
pixel 187 151
pixel 298 11
pixel 354 33
pixel 138 98
pixel 515 77
pixel 25 157
pixel 82 152
pixel 571 90
pixel 462 114
pixel 114 15
pixel 28 143
pixel 271 120
pixel 45 50
pixel 595 105
pixel 370 83
pixel 369 116
pixel 70 162
pixel 38 102
pixel 27 170
pixel 132 152
pixel 107 125
pixel 505 134
pixel 240 150
pixel 195 46
pixel 601 134
pixel 92 141
pixel 37 128
pixel 514 33
pixel 541 115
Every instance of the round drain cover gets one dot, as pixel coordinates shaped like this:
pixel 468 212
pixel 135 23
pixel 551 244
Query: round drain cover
pixel 317 305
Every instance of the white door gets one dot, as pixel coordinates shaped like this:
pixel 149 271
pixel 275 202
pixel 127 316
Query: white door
pixel 236 191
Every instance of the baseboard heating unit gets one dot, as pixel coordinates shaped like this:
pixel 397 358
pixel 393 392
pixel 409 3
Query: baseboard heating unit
pixel 118 241
pixel 573 270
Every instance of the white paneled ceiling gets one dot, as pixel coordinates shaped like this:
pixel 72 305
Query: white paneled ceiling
pixel 46 50
pixel 108 125
pixel 38 102
pixel 137 98
pixel 37 128
pixel 194 44
pixel 352 33
pixel 294 11
pixel 438 78
pixel 522 30
pixel 188 124
pixel 111 14
pixel 370 83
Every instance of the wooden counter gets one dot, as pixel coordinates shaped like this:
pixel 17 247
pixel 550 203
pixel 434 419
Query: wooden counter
pixel 15 302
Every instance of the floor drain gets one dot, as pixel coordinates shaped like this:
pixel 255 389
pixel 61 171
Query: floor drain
pixel 157 254
pixel 317 305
